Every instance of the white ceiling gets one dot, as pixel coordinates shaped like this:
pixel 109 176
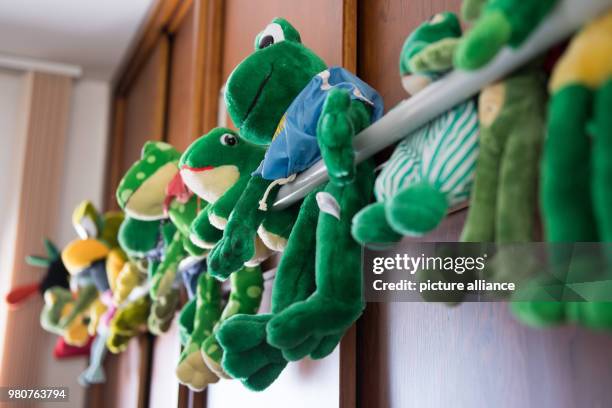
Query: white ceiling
pixel 90 33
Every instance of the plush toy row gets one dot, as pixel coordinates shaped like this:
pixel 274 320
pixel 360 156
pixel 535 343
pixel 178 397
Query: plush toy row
pixel 196 218
pixel 212 202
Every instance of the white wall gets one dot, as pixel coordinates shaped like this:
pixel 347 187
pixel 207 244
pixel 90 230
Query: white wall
pixel 12 93
pixel 86 152
pixel 83 178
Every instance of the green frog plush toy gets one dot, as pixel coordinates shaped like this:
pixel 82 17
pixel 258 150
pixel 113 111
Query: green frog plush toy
pixel 498 23
pixel 576 179
pixel 176 208
pixel 217 168
pixel 432 169
pixel 284 96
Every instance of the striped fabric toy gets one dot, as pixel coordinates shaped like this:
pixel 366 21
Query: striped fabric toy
pixel 431 170
pixel 442 153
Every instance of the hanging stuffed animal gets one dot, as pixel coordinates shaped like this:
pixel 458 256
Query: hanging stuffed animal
pixel 56 275
pixel 503 202
pixel 432 169
pixel 217 167
pixel 178 205
pixel 576 171
pixel 498 23
pixel 284 96
pixel 94 262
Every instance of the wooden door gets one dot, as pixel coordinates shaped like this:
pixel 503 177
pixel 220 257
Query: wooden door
pixel 475 354
pixel 139 116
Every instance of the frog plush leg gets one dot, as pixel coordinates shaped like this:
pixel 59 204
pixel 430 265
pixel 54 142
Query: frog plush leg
pixel 126 323
pixel 244 298
pixel 501 22
pixel 314 326
pixel 601 129
pixel 221 209
pixel 566 196
pixel 370 227
pixel 162 312
pixel 248 356
pixel 238 243
pixel 86 296
pixel 94 373
pixel 191 369
pixel 186 318
pixel 566 168
pixel 595 314
pixel 480 223
pixel 202 232
pixel 163 278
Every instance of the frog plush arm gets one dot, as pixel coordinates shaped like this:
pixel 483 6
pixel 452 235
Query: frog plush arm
pixel 501 22
pixel 245 298
pixel 338 299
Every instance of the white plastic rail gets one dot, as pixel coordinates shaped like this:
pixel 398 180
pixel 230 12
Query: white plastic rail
pixel 453 89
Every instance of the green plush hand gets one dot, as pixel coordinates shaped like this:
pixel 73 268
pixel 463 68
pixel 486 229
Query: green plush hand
pixel 230 253
pixel 484 41
pixel 335 135
pixel 437 57
pixel 247 355
pixel 501 22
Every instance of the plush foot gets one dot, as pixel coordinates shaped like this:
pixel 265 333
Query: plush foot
pixel 315 318
pixel 212 353
pixel 416 210
pixel 235 248
pixel 483 42
pixel 192 371
pixel 246 354
pixel 370 227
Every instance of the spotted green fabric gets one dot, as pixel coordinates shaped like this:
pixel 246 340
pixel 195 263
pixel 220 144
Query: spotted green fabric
pixel 154 155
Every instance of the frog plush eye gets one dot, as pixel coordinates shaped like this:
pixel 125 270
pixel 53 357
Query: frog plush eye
pixel 272 34
pixel 436 18
pixel 228 139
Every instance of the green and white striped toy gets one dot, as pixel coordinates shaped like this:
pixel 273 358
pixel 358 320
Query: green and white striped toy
pixel 432 169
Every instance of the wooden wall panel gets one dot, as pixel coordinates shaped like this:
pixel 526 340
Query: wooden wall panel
pixel 182 114
pixel 145 104
pixel 383 27
pixel 139 116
